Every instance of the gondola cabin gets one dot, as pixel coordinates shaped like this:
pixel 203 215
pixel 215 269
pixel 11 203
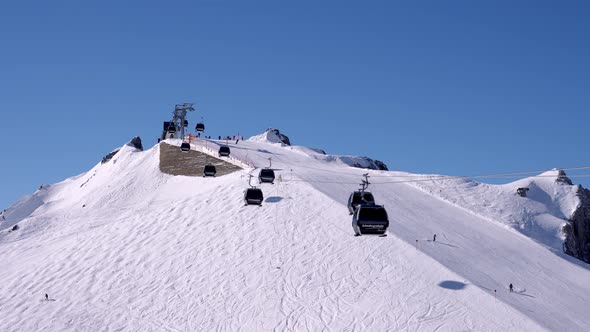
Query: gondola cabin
pixel 370 219
pixel 224 151
pixel 169 127
pixel 209 170
pixel 359 197
pixel 185 147
pixel 266 175
pixel 200 127
pixel 253 196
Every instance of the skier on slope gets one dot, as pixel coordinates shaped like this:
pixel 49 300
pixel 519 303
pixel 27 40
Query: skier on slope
pixel 511 288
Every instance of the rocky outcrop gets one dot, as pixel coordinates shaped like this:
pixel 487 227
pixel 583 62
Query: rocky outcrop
pixel 522 192
pixel 369 163
pixel 136 143
pixel 577 228
pixel 109 156
pixel 562 178
pixel 381 165
pixel 283 138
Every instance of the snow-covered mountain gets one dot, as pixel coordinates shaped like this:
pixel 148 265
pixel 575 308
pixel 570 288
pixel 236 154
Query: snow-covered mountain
pixel 126 246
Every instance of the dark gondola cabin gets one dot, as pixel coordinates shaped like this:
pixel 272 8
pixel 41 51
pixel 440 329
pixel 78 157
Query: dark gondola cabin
pixel 209 170
pixel 185 147
pixel 224 151
pixel 253 196
pixel 200 127
pixel 169 127
pixel 266 175
pixel 370 219
pixel 359 197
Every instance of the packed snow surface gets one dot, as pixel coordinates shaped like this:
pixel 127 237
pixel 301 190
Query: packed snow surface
pixel 125 247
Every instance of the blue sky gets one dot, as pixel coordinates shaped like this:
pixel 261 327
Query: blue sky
pixel 448 87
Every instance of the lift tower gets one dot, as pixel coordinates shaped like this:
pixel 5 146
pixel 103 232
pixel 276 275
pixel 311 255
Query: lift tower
pixel 180 116
pixel 178 122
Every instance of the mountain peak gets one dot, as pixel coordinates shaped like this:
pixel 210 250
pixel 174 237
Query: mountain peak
pixel 271 135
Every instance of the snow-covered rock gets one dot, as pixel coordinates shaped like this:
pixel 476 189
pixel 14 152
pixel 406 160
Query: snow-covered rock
pixel 271 135
pixel 540 215
pixel 135 143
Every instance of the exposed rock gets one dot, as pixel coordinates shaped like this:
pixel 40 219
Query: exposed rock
pixel 522 191
pixel 15 228
pixel 284 138
pixel 109 156
pixel 381 165
pixel 271 135
pixel 136 143
pixel 577 229
pixel 369 163
pixel 322 151
pixel 562 178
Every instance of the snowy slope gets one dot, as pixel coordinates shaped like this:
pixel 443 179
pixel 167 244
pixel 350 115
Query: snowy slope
pixel 540 215
pixel 125 247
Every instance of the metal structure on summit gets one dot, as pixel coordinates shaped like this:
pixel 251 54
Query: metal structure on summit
pixel 178 122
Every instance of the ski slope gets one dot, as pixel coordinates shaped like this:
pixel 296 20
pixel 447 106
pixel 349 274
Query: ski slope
pixel 125 247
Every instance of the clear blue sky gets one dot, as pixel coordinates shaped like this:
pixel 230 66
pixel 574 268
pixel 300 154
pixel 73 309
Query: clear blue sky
pixel 448 87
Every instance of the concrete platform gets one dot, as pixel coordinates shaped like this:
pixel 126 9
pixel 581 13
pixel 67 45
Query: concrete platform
pixel 191 163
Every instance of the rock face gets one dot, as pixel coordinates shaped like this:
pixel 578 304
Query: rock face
pixel 522 192
pixel 284 138
pixel 577 228
pixel 369 163
pixel 381 165
pixel 135 142
pixel 562 177
pixel 109 156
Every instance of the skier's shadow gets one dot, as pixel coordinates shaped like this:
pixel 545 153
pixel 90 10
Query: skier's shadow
pixel 444 244
pixel 523 293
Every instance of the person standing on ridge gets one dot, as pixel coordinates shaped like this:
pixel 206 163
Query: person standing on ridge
pixel 434 238
pixel 511 288
pixel 46 297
